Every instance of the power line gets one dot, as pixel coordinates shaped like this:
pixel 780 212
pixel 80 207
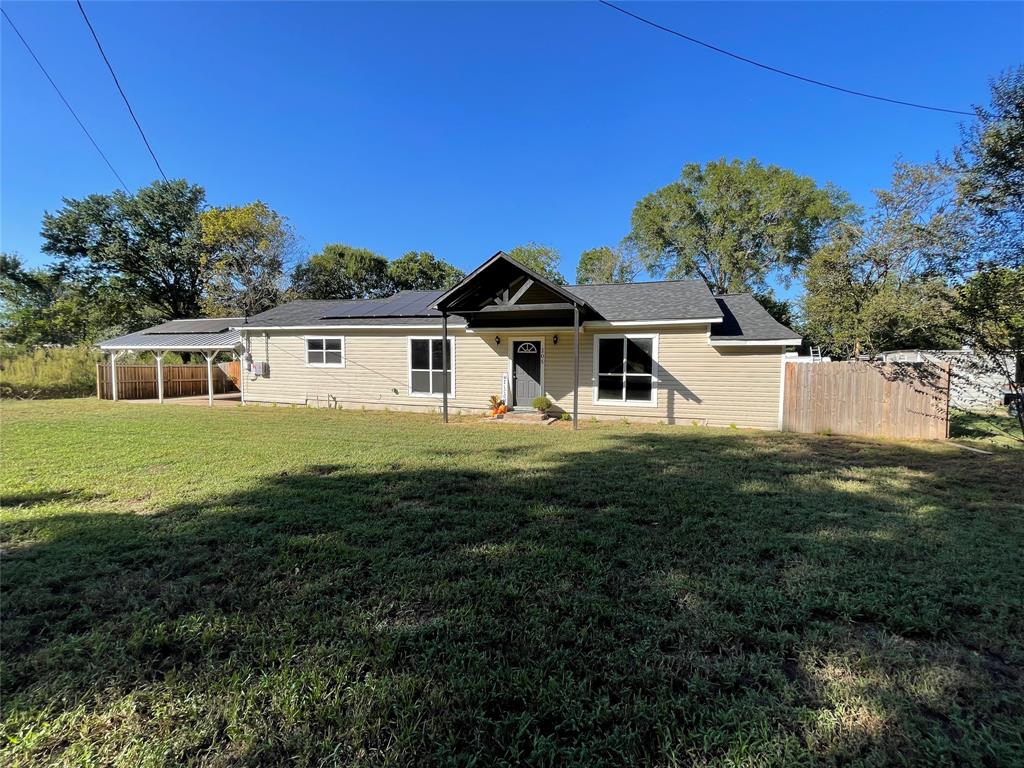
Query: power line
pixel 121 90
pixel 66 104
pixel 778 71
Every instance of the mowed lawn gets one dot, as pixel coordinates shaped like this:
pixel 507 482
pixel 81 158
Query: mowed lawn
pixel 276 586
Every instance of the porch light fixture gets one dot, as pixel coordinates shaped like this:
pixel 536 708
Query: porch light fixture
pixel 497 339
pixel 554 339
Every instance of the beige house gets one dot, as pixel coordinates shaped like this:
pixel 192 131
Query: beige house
pixel 661 351
pixel 657 351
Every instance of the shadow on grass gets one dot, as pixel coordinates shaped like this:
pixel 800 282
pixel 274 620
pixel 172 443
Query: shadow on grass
pixel 671 597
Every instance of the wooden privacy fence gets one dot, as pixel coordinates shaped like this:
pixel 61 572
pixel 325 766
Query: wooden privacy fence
pixel 897 400
pixel 138 382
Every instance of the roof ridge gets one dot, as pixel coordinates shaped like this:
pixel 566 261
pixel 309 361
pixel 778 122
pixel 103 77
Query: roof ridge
pixel 639 282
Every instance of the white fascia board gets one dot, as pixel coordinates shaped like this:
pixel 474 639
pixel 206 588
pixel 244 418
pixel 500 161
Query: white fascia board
pixel 518 330
pixel 638 323
pixel 305 328
pixel 171 348
pixel 754 342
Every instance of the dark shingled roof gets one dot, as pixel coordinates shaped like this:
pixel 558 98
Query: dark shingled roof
pixel 402 304
pixel 743 318
pixel 665 300
pixel 746 320
pixel 317 313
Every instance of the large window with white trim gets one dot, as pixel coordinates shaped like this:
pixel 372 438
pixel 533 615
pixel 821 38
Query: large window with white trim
pixel 625 369
pixel 426 367
pixel 325 351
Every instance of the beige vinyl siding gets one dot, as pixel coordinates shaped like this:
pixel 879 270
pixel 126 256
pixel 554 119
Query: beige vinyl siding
pixel 696 382
pixel 376 372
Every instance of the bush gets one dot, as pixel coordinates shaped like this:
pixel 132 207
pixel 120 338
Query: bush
pixel 48 373
pixel 541 403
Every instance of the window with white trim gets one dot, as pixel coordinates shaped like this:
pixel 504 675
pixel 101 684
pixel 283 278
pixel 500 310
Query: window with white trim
pixel 325 351
pixel 624 368
pixel 426 367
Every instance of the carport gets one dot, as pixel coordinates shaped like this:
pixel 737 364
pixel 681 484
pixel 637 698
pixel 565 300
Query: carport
pixel 205 336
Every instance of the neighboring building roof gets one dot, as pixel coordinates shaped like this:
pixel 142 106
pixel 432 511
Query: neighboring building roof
pixel 637 302
pixel 185 335
pixel 745 320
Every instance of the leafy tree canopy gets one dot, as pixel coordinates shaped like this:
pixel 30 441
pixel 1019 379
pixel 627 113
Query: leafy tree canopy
pixel 151 242
pixel 248 247
pixel 734 224
pixel 881 283
pixel 42 307
pixel 422 271
pixel 542 259
pixel 990 161
pixel 607 265
pixel 342 272
pixel 990 315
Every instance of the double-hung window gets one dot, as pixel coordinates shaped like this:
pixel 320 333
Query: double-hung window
pixel 426 367
pixel 325 351
pixel 625 369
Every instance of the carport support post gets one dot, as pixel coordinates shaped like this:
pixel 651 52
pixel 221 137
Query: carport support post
pixel 113 375
pixel 444 365
pixel 209 374
pixel 575 367
pixel 159 375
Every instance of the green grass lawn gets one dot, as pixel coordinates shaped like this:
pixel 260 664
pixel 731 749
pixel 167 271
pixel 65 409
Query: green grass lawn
pixel 274 586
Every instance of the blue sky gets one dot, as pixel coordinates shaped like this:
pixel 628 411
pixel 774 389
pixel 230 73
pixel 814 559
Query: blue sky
pixel 467 127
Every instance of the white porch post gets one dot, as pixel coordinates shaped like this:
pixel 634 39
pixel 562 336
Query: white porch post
pixel 575 367
pixel 113 375
pixel 209 374
pixel 159 375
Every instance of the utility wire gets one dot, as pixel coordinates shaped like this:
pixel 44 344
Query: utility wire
pixel 778 71
pixel 66 104
pixel 121 90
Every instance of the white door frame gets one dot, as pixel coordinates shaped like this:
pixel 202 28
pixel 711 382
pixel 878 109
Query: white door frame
pixel 511 367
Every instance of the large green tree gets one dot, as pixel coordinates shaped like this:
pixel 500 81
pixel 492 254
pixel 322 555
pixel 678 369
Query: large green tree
pixel 342 272
pixel 990 314
pixel 422 271
pixel 43 307
pixel 990 161
pixel 735 224
pixel 882 282
pixel 150 241
pixel 248 247
pixel 542 259
pixel 607 265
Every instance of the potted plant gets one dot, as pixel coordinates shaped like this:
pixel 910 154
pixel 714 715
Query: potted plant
pixel 497 407
pixel 543 404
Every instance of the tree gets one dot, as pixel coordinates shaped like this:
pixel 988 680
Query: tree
pixel 248 248
pixel 421 271
pixel 782 310
pixel 881 283
pixel 342 272
pixel 42 307
pixel 990 314
pixel 735 224
pixel 990 161
pixel 542 259
pixel 607 265
pixel 151 242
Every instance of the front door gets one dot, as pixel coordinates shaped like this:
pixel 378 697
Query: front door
pixel 525 373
